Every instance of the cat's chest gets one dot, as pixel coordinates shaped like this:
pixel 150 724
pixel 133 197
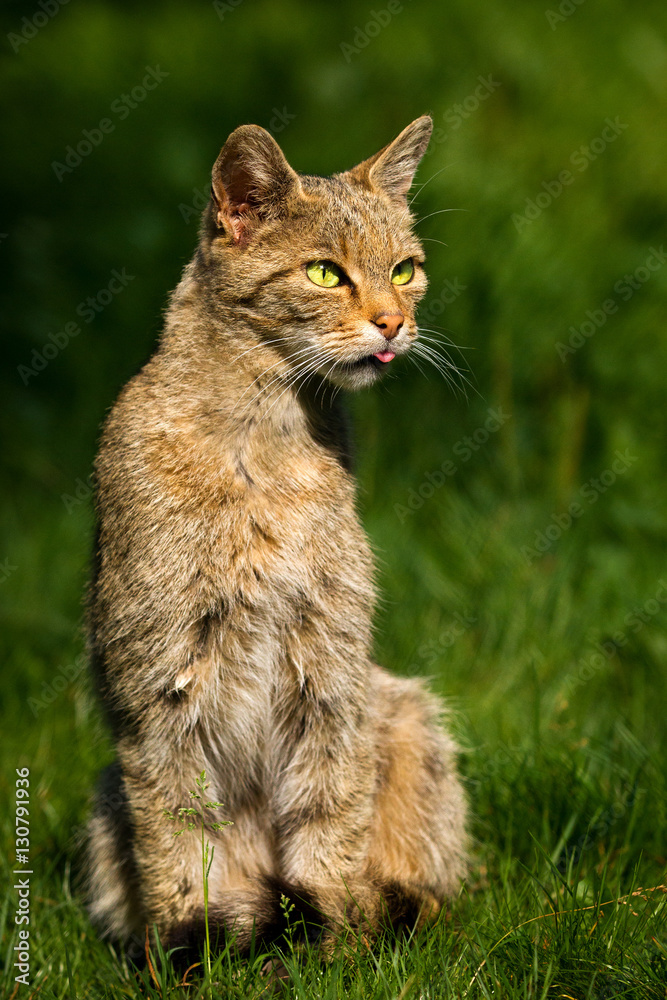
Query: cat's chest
pixel 290 530
pixel 303 513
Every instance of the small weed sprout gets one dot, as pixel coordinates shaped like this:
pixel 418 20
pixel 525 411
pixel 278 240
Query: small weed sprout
pixel 287 906
pixel 188 816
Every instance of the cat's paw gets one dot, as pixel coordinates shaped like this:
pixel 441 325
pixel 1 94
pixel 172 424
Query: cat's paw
pixel 277 977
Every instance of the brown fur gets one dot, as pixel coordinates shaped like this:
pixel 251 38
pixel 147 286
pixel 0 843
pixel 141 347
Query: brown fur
pixel 230 610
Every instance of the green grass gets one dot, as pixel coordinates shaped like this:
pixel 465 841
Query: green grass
pixel 547 638
pixel 564 767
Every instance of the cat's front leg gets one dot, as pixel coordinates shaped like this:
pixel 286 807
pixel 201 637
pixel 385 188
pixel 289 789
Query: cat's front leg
pixel 166 853
pixel 322 800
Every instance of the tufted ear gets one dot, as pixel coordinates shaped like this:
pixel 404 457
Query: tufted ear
pixel 250 182
pixel 392 169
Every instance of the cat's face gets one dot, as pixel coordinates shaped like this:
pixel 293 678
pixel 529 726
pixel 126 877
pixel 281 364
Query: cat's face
pixel 325 269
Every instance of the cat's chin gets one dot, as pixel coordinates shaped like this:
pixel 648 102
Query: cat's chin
pixel 355 374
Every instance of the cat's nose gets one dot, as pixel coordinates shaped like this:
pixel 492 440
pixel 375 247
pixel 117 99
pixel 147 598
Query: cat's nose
pixel 389 324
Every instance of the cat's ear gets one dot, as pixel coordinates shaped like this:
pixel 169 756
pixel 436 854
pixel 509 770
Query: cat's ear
pixel 251 181
pixel 392 169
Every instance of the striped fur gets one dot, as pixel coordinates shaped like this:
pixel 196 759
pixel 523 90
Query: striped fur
pixel 230 610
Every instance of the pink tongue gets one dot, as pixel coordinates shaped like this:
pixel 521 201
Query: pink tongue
pixel 384 356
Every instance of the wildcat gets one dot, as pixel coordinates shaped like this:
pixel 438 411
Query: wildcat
pixel 229 614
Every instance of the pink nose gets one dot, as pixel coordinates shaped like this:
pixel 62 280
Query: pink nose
pixel 389 324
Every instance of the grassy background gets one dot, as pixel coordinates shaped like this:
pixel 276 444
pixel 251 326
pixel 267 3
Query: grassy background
pixel 487 590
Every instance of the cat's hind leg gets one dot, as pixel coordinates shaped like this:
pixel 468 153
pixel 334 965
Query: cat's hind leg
pixel 417 846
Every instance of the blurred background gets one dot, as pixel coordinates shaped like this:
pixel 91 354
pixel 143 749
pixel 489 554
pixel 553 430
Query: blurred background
pixel 520 521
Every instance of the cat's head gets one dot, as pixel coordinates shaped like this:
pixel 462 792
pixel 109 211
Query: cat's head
pixel 327 269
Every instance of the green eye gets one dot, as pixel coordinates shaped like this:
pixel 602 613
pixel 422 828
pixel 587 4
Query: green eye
pixel 324 273
pixel 403 272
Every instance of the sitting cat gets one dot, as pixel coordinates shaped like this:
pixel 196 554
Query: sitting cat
pixel 231 605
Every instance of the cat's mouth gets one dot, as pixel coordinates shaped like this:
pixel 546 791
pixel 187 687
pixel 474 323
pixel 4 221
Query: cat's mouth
pixel 357 373
pixel 378 361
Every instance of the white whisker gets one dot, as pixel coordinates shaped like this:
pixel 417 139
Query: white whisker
pixel 281 360
pixel 325 377
pixel 432 177
pixel 441 334
pixel 444 366
pixel 254 347
pixel 303 370
pixel 440 211
pixel 413 359
pixel 310 369
pixel 441 338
